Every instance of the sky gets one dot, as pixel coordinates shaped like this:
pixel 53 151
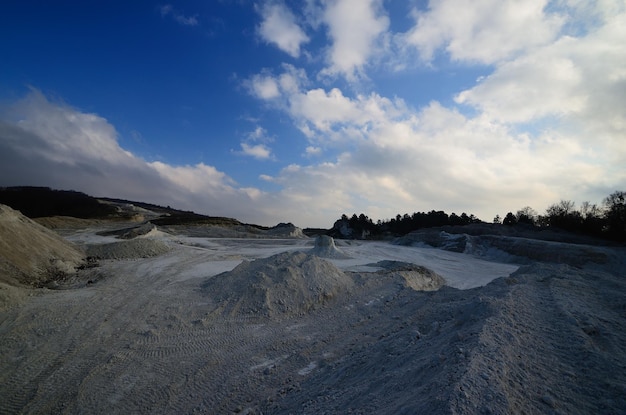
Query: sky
pixel 301 111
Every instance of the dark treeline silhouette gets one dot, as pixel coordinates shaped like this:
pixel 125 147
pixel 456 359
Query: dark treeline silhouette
pixel 36 202
pixel 607 220
pixel 363 227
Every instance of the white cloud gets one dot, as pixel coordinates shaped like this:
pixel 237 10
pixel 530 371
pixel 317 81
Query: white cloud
pixel 397 159
pixel 255 145
pixel 258 151
pixel 44 143
pixel 356 28
pixel 73 135
pixel 268 87
pixel 405 161
pixel 168 10
pixel 196 179
pixel 470 166
pixel 315 110
pixel 279 27
pixel 484 31
pixel 313 151
pixel 333 116
pixel 322 109
pixel 258 134
pixel 292 79
pixel 579 83
pixel 541 84
pixel 264 87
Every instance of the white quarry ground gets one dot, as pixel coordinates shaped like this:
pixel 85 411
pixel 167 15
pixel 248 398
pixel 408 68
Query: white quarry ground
pixel 217 255
pixel 151 335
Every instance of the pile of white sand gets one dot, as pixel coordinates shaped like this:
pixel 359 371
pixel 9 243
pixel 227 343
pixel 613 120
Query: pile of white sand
pixel 325 247
pixel 31 254
pixel 289 283
pixel 413 276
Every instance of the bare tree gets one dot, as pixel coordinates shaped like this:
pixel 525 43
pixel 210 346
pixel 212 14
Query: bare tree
pixel 526 215
pixel 615 214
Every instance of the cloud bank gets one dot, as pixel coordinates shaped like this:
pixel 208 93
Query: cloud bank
pixel 44 143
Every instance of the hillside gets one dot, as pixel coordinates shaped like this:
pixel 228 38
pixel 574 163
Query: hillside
pixel 38 202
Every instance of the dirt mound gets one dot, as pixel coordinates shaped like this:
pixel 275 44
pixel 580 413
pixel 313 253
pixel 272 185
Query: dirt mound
pixel 325 247
pixel 412 276
pixel 134 248
pixel 289 283
pixel 32 255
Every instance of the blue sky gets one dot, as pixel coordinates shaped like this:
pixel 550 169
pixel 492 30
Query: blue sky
pixel 275 111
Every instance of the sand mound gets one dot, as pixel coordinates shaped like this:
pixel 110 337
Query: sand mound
pixel 289 283
pixel 134 248
pixel 412 276
pixel 30 254
pixel 286 230
pixel 325 247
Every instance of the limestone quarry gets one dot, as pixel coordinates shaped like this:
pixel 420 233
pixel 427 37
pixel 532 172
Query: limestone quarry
pixel 106 317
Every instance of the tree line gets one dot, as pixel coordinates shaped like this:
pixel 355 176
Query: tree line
pixel 363 227
pixel 36 202
pixel 607 220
